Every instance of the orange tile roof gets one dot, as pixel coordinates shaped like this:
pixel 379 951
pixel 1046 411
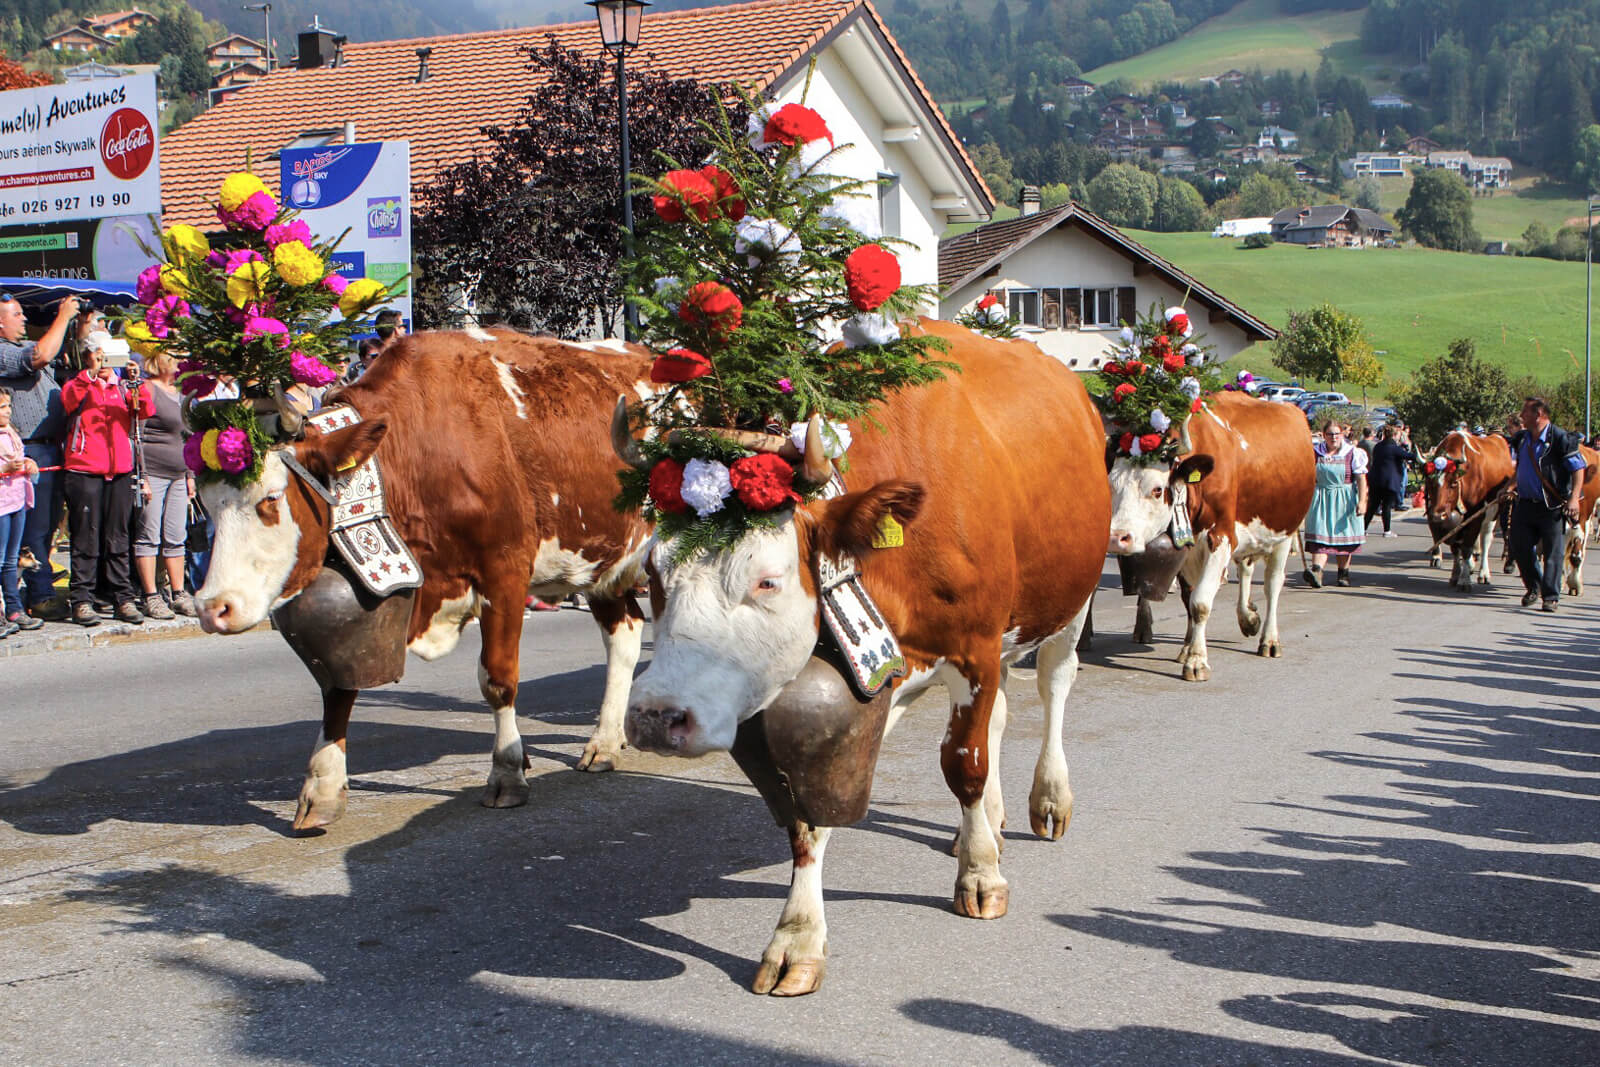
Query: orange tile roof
pixel 479 79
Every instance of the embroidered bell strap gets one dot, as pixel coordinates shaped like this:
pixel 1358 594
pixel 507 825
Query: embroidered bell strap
pixel 857 626
pixel 1182 532
pixel 362 530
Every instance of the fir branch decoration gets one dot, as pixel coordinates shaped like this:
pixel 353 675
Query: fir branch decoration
pixel 1155 379
pixel 990 318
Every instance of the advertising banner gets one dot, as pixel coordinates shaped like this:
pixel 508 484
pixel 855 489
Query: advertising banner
pixel 79 151
pixel 364 189
pixel 82 250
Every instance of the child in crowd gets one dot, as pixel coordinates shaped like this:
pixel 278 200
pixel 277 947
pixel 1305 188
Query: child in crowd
pixel 16 498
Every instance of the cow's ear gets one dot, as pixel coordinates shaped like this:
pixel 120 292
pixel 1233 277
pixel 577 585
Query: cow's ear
pixel 854 523
pixel 344 448
pixel 1193 468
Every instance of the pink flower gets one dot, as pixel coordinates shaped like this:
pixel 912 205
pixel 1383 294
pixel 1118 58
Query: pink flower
pixel 148 287
pixel 195 382
pixel 286 232
pixel 160 314
pixel 785 386
pixel 308 370
pixel 191 449
pixel 258 326
pixel 256 213
pixel 336 284
pixel 233 448
pixel 232 261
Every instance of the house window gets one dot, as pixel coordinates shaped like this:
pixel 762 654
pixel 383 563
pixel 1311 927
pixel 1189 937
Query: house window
pixel 1108 307
pixel 1023 304
pixel 889 204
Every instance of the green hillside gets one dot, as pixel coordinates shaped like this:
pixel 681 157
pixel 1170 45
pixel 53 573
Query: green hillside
pixel 1524 314
pixel 1251 35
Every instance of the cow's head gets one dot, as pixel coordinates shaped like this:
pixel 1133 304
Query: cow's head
pixel 1142 498
pixel 1441 482
pixel 272 535
pixel 735 626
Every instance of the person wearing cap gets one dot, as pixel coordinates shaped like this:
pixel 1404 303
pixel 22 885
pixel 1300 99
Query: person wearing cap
pixel 37 417
pixel 99 476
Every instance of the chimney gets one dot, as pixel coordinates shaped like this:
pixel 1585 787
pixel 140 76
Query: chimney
pixel 422 63
pixel 318 46
pixel 349 133
pixel 1030 200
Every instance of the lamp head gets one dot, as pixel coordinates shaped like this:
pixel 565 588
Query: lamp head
pixel 619 23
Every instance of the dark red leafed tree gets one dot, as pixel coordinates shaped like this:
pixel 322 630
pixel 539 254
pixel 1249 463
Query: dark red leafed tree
pixel 14 76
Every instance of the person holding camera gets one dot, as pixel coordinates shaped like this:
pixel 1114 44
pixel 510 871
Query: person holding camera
pixel 37 416
pixel 99 476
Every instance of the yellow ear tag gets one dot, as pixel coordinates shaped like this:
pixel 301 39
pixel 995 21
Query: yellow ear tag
pixel 1194 476
pixel 351 464
pixel 890 533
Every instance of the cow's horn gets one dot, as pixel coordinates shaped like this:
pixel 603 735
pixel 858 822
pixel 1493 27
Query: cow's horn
pixel 816 467
pixel 291 419
pixel 1185 445
pixel 622 438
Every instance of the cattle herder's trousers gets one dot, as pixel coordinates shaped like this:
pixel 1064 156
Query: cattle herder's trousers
pixel 1537 529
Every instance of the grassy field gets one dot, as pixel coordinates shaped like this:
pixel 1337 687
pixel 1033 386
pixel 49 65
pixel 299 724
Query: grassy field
pixel 1524 314
pixel 1505 215
pixel 1252 34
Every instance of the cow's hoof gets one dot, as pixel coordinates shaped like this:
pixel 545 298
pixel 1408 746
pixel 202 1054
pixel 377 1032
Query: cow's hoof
pixel 505 790
pixel 319 805
pixel 1183 654
pixel 1142 634
pixel 1270 649
pixel 983 899
pixel 599 757
pixel 794 962
pixel 1250 624
pixel 1050 805
pixel 1196 672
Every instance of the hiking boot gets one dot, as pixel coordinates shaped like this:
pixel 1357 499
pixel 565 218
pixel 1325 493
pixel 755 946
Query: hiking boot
pixel 56 609
pixel 1313 577
pixel 24 621
pixel 155 608
pixel 7 628
pixel 1548 605
pixel 83 615
pixel 1344 578
pixel 128 612
pixel 183 604
pixel 1529 597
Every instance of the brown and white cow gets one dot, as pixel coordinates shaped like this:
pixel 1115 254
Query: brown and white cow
pixel 996 472
pixel 1577 546
pixel 1464 499
pixel 499 479
pixel 1256 475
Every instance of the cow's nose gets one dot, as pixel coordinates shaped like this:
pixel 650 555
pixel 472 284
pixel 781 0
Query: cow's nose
pixel 658 729
pixel 1121 542
pixel 215 614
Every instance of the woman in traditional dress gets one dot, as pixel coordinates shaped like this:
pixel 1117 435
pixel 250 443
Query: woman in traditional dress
pixel 1333 526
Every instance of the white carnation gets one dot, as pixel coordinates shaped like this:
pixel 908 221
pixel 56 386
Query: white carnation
pixel 835 437
pixel 1126 335
pixel 705 486
pixel 1195 355
pixel 1133 448
pixel 759 238
pixel 663 285
pixel 996 314
pixel 869 328
pixel 1190 388
pixel 757 126
pixel 806 159
pixel 859 213
pixel 1159 421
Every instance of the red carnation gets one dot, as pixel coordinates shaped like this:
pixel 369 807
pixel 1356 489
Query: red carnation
pixel 692 189
pixel 1112 367
pixel 666 486
pixel 1149 442
pixel 1161 344
pixel 871 275
pixel 712 305
pixel 1173 361
pixel 1123 391
pixel 679 365
pixel 1133 368
pixel 725 192
pixel 794 124
pixel 1195 407
pixel 1125 443
pixel 1178 324
pixel 989 300
pixel 763 481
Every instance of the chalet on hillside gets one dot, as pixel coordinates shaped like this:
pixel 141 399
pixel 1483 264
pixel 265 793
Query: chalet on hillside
pixel 1419 145
pixel 1277 137
pixel 79 38
pixel 234 49
pixel 1330 225
pixel 1077 89
pixel 98 32
pixel 1479 172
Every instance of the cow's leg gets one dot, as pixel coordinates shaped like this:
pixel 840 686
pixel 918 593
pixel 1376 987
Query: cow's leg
pixel 1577 546
pixel 796 956
pixel 501 628
pixel 1485 544
pixel 322 797
pixel 993 803
pixel 1144 623
pixel 1249 617
pixel 964 756
pixel 1272 575
pixel 622 628
pixel 1050 800
pixel 1213 565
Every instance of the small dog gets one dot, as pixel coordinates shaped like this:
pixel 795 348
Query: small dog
pixel 26 560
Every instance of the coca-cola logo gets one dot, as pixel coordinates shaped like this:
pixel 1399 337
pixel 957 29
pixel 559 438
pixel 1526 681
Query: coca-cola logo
pixel 127 143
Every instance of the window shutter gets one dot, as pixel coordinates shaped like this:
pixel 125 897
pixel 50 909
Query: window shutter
pixel 1071 308
pixel 1127 305
pixel 1052 309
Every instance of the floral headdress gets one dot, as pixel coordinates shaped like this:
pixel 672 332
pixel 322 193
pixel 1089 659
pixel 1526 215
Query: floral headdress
pixel 776 314
pixel 263 308
pixel 1152 382
pixel 988 316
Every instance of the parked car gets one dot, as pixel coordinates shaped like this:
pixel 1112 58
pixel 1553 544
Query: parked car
pixel 1286 393
pixel 1305 402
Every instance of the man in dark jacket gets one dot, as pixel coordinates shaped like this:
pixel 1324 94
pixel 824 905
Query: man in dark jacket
pixel 1549 485
pixel 1387 475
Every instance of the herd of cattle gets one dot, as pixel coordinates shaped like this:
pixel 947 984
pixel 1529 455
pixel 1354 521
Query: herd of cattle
pixel 500 475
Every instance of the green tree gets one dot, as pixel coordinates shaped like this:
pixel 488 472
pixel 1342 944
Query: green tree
pixel 1369 193
pixel 1054 195
pixel 1123 195
pixel 1361 366
pixel 1586 159
pixel 1451 389
pixel 1438 212
pixel 1536 239
pixel 1179 207
pixel 1341 133
pixel 1261 195
pixel 996 170
pixel 1203 139
pixel 1317 341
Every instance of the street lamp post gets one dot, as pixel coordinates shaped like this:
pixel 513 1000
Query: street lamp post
pixel 266 12
pixel 619 33
pixel 1588 284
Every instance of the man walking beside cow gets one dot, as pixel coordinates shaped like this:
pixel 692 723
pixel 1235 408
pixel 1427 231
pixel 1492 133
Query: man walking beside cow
pixel 1551 474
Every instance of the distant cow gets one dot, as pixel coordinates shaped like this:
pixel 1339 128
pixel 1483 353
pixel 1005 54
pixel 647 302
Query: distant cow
pixel 1464 499
pixel 500 480
pixel 1256 474
pixel 996 473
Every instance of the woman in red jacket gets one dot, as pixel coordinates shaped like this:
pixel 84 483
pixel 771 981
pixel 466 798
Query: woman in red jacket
pixel 99 478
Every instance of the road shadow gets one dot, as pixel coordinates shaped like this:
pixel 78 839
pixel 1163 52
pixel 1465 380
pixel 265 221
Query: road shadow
pixel 1462 879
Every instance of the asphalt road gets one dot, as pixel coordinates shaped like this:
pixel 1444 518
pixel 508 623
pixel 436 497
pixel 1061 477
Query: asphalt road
pixel 1380 848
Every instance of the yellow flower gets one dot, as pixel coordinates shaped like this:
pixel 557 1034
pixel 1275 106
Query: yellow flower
pixel 140 339
pixel 208 449
pixel 174 281
pixel 185 243
pixel 247 282
pixel 297 264
pixel 239 187
pixel 359 295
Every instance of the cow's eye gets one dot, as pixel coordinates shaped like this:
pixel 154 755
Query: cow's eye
pixel 272 498
pixel 1159 492
pixel 767 586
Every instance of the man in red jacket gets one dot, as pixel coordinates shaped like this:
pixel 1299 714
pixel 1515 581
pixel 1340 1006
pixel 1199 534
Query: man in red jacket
pixel 99 477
